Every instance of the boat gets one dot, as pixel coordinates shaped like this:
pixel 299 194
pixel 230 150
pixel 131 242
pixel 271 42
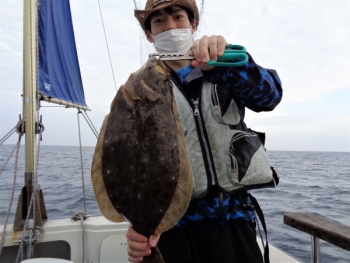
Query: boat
pixel 83 238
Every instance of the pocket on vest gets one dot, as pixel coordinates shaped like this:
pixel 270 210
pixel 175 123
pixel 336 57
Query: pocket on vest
pixel 249 160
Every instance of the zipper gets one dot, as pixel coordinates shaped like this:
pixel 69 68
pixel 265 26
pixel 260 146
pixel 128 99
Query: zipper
pixel 234 164
pixel 205 146
pixel 196 110
pixel 205 143
pixel 240 136
pixel 214 95
pixel 236 137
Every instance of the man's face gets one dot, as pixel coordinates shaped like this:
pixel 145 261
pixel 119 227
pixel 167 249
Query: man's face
pixel 173 17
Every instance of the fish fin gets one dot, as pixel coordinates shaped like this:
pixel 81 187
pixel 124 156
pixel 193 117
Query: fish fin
pixel 103 201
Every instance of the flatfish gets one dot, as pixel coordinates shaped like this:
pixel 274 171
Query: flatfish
pixel 141 171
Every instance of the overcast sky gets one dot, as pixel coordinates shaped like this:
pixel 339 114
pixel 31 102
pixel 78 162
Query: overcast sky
pixel 306 41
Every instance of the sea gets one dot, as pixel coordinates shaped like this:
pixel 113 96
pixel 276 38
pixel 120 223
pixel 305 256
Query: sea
pixel 314 182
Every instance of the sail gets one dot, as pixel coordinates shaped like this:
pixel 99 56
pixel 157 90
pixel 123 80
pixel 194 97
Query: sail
pixel 59 71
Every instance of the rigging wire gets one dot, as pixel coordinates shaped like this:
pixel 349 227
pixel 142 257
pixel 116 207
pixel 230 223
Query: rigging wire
pixel 17 146
pixel 16 129
pixel 81 161
pixel 104 31
pixel 8 159
pixel 136 5
pixel 91 122
pixel 8 135
pixel 92 127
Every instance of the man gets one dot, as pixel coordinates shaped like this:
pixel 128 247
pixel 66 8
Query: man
pixel 219 224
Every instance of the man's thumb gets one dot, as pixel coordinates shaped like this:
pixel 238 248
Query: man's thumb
pixel 153 240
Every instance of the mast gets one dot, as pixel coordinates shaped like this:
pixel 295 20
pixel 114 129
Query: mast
pixel 30 89
pixel 30 119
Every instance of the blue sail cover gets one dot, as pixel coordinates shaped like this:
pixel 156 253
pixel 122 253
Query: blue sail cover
pixel 59 72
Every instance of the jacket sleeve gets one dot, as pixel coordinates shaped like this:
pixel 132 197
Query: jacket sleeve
pixel 251 85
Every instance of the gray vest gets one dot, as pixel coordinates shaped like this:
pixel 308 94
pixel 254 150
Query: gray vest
pixel 230 168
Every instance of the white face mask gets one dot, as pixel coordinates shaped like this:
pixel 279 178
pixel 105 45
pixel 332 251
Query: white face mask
pixel 174 41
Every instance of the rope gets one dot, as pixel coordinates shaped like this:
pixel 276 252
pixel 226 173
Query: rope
pixel 92 127
pixel 81 162
pixel 104 31
pixel 12 193
pixel 81 216
pixel 25 232
pixel 20 126
pixel 41 129
pixel 29 237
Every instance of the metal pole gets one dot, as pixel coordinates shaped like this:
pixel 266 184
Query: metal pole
pixel 30 83
pixel 315 250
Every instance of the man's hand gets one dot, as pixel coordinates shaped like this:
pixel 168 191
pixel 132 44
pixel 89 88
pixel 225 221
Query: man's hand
pixel 138 245
pixel 207 48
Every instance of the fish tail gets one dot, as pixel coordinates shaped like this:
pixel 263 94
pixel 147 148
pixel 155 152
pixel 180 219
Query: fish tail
pixel 155 257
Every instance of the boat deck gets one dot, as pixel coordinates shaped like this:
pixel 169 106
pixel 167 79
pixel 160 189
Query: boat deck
pixel 104 242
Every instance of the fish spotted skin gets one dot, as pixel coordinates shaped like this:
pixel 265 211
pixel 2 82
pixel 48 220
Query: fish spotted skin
pixel 142 156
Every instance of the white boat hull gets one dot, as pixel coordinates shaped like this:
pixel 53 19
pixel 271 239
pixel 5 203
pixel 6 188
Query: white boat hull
pixel 105 241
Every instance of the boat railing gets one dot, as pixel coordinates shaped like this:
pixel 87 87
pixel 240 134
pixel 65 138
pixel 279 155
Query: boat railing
pixel 319 228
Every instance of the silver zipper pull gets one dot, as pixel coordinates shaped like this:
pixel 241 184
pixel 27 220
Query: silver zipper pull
pixel 195 103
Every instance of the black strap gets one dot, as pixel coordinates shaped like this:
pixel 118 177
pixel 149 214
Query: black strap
pixel 221 207
pixel 275 176
pixel 262 220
